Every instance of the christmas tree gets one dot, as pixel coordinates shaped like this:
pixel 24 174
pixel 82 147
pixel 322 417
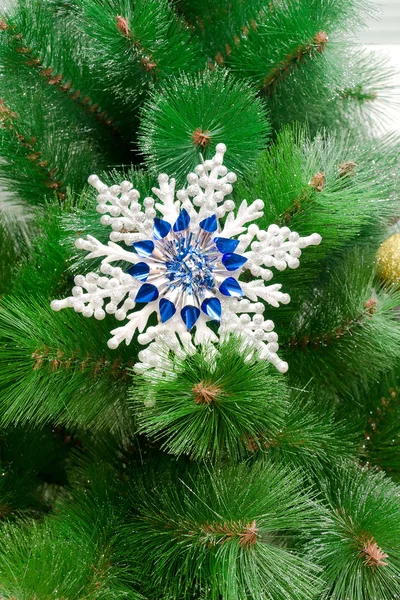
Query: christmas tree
pixel 199 330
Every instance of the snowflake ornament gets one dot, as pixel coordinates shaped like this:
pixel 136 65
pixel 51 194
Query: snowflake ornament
pixel 185 258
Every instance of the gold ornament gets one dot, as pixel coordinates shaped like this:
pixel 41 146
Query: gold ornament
pixel 388 260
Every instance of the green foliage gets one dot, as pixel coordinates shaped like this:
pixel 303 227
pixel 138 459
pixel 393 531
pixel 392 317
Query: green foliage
pixel 172 116
pixel 19 175
pixel 268 30
pixel 16 219
pixel 73 547
pixel 46 255
pixel 16 225
pixel 195 535
pixel 285 33
pixel 48 141
pixel 217 23
pixel 381 443
pixel 64 49
pixel 347 88
pixel 58 368
pixel 312 433
pixel 348 333
pixel 149 46
pixel 211 406
pixel 285 178
pixel 31 469
pixel 76 564
pixel 295 54
pixel 359 544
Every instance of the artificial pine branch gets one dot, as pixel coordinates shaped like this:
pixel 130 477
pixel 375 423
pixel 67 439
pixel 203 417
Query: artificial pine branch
pixel 381 440
pixel 211 406
pixel 347 87
pixel 350 329
pixel 361 550
pixel 316 44
pixel 59 52
pixel 53 359
pixel 180 121
pixel 311 433
pixel 24 166
pixel 295 55
pixel 221 532
pixel 47 141
pixel 138 46
pixel 33 26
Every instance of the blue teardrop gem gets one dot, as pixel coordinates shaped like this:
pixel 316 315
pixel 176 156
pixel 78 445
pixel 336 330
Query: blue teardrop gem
pixel 167 309
pixel 139 271
pixel 209 224
pixel 212 307
pixel 225 245
pixel 161 228
pixel 182 221
pixel 147 293
pixel 189 315
pixel 230 287
pixel 233 261
pixel 144 248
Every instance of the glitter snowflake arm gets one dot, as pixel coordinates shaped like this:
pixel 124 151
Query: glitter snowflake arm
pixel 112 252
pixel 91 292
pixel 167 206
pixel 184 255
pixel 119 205
pixel 271 294
pixel 235 225
pixel 277 247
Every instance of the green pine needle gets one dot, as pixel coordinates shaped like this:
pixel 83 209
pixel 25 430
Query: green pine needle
pixel 58 368
pixel 174 117
pixel 349 333
pixel 221 533
pixel 381 441
pixel 312 433
pixel 133 46
pixel 211 406
pixel 359 543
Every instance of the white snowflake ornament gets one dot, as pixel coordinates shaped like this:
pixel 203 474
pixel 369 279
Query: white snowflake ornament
pixel 185 265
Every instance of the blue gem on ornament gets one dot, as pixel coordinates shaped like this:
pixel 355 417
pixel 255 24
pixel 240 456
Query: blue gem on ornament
pixel 144 248
pixel 140 271
pixel 225 245
pixel 161 229
pixel 167 309
pixel 182 221
pixel 147 293
pixel 212 308
pixel 232 261
pixel 189 315
pixel 210 224
pixel 230 287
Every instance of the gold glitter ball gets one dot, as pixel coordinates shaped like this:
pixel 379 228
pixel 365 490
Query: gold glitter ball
pixel 388 260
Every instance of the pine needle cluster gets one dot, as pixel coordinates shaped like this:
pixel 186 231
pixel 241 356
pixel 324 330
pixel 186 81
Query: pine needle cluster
pixel 216 477
pixel 211 406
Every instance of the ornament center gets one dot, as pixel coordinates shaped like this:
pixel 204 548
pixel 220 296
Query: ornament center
pixel 190 268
